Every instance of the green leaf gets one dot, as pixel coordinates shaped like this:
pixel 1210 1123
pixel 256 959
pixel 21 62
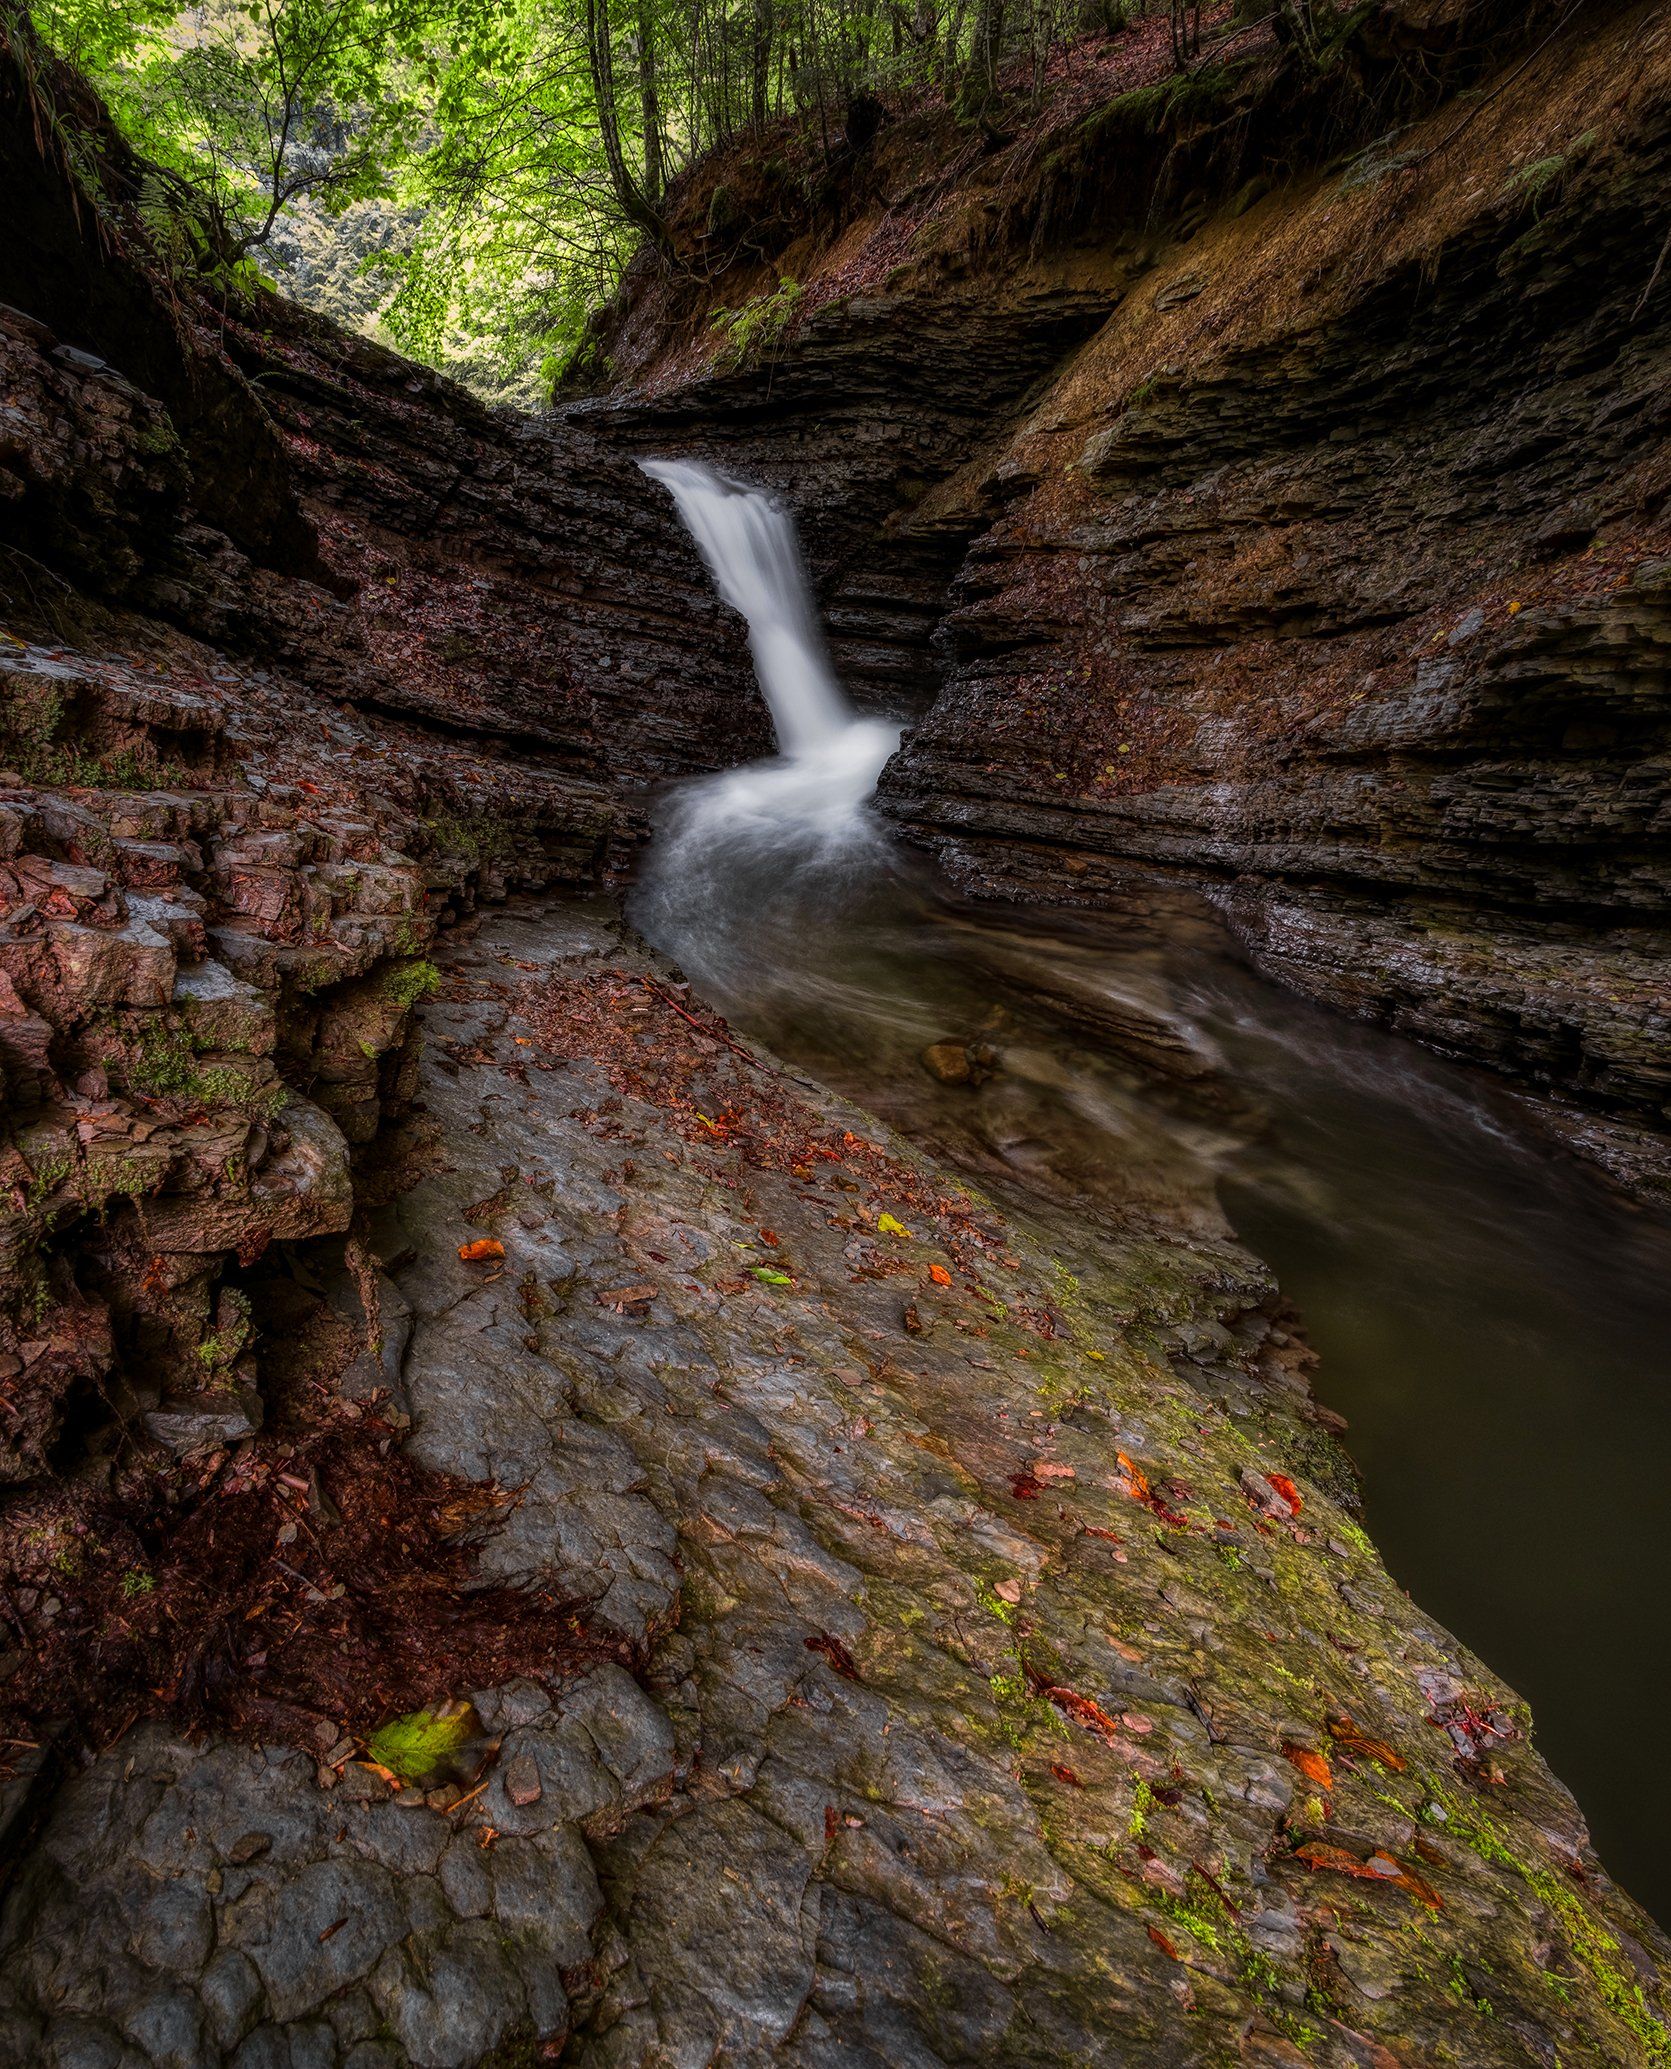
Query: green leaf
pixel 772 1278
pixel 420 1745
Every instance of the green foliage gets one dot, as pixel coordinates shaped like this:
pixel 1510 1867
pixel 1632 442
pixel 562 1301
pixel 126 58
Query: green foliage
pixel 466 179
pixel 757 328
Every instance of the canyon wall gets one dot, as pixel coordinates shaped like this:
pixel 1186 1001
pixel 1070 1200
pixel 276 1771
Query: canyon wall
pixel 1329 570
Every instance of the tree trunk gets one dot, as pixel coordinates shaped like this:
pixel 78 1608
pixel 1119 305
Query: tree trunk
pixel 649 104
pixel 630 196
pixel 980 81
pixel 761 55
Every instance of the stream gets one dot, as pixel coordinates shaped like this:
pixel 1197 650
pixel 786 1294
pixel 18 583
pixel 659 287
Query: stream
pixel 1490 1320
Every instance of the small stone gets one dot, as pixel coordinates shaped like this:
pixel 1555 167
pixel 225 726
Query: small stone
pixel 250 1848
pixel 522 1781
pixel 949 1062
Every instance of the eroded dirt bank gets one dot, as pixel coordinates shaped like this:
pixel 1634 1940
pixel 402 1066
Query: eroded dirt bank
pixel 1001 1696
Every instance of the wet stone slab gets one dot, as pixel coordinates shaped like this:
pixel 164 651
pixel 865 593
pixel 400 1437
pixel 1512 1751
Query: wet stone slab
pixel 1002 1699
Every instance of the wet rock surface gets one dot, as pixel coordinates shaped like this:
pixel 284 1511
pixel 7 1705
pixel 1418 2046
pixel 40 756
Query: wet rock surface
pixel 1332 575
pixel 1005 1693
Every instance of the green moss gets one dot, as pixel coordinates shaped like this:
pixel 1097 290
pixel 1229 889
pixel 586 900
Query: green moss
pixel 412 983
pixel 993 1603
pixel 483 841
pixel 167 1067
pixel 1596 1948
pixel 49 762
pixel 232 1328
pixel 45 1179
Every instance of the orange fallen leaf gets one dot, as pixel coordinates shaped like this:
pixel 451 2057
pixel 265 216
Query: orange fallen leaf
pixel 1137 1482
pixel 482 1250
pixel 939 1274
pixel 1314 1766
pixel 1380 1867
pixel 1335 1859
pixel 1083 1710
pixel 1164 1944
pixel 1349 1739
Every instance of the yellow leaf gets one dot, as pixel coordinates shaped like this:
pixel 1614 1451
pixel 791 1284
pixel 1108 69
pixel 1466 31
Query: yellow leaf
pixel 889 1227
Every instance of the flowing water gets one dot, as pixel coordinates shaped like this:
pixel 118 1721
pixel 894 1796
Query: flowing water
pixel 1492 1322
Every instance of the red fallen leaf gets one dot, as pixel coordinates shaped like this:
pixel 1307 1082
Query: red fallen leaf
pixel 312 790
pixel 1096 1530
pixel 769 1237
pixel 1024 1487
pixel 1314 1766
pixel 1082 1710
pixel 1289 1492
pixel 1163 1943
pixel 1349 1739
pixel 836 1653
pixel 939 1274
pixel 1065 1774
pixel 482 1250
pixel 1380 1867
pixel 832 1822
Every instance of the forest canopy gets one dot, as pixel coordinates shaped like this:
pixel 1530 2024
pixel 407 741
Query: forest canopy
pixel 466 178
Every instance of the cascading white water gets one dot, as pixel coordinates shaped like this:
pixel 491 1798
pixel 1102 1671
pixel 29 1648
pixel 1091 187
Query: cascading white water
pixel 768 838
pixel 750 549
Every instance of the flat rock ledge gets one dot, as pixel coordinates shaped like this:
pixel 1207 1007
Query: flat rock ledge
pixel 1006 1696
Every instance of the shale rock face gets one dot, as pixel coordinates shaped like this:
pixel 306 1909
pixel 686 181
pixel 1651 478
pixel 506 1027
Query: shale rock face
pixel 1357 601
pixel 217 897
pixel 1330 574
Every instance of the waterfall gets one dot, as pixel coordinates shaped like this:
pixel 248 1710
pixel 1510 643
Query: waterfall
pixel 738 853
pixel 750 549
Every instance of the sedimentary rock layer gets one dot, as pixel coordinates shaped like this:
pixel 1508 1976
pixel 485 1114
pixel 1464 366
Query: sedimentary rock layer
pixel 1331 573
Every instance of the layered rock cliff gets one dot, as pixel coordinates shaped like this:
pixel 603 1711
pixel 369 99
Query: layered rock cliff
pixel 1329 571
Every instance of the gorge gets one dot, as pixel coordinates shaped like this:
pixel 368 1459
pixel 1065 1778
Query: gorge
pixel 665 1403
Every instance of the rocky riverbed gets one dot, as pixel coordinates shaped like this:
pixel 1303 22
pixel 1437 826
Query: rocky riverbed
pixel 998 1691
